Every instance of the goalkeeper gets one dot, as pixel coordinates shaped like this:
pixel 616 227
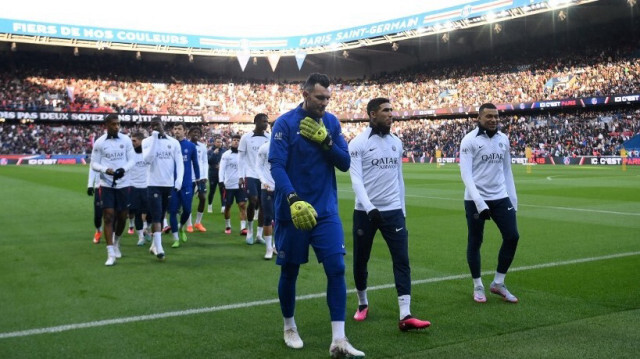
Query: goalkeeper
pixel 306 145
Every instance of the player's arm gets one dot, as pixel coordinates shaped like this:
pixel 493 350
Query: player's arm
pixel 242 159
pixel 339 152
pixel 401 180
pixel 222 168
pixel 131 155
pixel 96 156
pixel 195 162
pixel 179 163
pixel 93 179
pixel 278 155
pixel 204 169
pixel 466 171
pixel 355 171
pixel 508 177
pixel 149 147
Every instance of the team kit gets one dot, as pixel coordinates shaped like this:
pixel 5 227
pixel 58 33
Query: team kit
pixel 284 182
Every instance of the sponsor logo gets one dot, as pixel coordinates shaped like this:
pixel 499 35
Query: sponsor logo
pixel 493 157
pixel 509 208
pixel 385 162
pixel 398 229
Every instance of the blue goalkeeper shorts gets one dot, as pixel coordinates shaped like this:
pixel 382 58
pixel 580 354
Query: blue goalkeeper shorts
pixel 326 238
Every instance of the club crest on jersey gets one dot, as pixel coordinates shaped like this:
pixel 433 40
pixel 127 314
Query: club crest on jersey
pixel 393 148
pixel 501 145
pixel 186 151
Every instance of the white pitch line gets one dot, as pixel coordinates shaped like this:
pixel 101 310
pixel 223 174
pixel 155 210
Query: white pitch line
pixel 180 313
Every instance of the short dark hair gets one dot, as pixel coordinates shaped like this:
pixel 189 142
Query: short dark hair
pixel 236 136
pixel 139 135
pixel 156 119
pixel 178 124
pixel 110 117
pixel 375 103
pixel 486 105
pixel 316 78
pixel 195 128
pixel 260 116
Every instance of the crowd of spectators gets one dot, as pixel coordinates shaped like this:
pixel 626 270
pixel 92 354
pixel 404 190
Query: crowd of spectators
pixel 111 83
pixel 562 134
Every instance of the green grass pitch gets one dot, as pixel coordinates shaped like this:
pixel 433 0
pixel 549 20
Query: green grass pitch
pixel 575 272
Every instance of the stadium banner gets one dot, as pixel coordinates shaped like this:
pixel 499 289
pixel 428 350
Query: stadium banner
pixel 566 161
pixel 21 160
pixel 437 13
pixel 92 117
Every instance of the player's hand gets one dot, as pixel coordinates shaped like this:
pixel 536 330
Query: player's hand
pixel 242 183
pixel 375 217
pixel 302 213
pixel 117 174
pixel 485 215
pixel 90 191
pixel 221 185
pixel 316 132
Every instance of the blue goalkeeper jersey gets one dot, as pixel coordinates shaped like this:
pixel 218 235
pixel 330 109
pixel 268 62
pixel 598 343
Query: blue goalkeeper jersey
pixel 302 166
pixel 190 159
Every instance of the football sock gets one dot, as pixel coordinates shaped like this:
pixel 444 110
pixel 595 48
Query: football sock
pixel 499 278
pixel 189 221
pixel 199 217
pixel 337 330
pixel 404 302
pixel 362 298
pixel 227 223
pixel 477 282
pixel 289 323
pixel 243 224
pixel 260 231
pixel 267 240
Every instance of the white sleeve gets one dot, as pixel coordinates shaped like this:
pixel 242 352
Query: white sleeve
pixel 242 157
pixel 149 148
pixel 93 178
pixel 401 181
pixel 466 170
pixel 355 170
pixel 131 155
pixel 204 164
pixel 222 168
pixel 95 157
pixel 177 157
pixel 508 178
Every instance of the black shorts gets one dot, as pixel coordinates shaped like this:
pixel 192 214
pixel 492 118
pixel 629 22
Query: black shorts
pixel 139 200
pixel 116 198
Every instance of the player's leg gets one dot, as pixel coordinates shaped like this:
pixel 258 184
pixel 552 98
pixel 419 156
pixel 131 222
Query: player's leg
pixel 229 197
pixel 475 232
pixel 266 203
pixel 123 202
pixel 396 235
pixel 186 200
pixel 97 215
pixel 202 189
pixel 212 190
pixel 504 214
pixel 363 234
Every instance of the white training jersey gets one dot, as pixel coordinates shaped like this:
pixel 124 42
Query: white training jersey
pixel 376 172
pixel 139 171
pixel 229 173
pixel 264 168
pixel 164 155
pixel 112 152
pixel 485 166
pixel 248 153
pixel 203 162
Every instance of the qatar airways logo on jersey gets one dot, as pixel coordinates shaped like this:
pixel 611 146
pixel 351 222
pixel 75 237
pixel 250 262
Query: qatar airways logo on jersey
pixel 493 157
pixel 385 162
pixel 163 155
pixel 114 156
pixel 142 164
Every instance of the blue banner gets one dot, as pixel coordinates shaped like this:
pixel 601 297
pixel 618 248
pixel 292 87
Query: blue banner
pixel 435 19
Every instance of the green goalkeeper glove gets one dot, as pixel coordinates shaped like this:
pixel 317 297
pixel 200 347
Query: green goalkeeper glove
pixel 316 132
pixel 302 213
